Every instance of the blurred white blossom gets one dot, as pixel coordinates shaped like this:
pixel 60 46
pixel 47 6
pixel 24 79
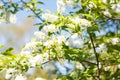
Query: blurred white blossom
pixel 104 1
pixel 26 53
pixel 20 77
pixel 79 66
pixel 48 43
pixel 107 68
pixel 61 6
pixel 75 36
pixel 78 43
pixel 30 45
pixel 40 79
pixel 13 18
pixel 50 28
pixel 102 47
pixel 10 73
pixel 91 5
pixel 107 13
pixel 70 2
pixel 119 66
pixel 36 60
pixel 81 22
pixel 115 40
pixel 40 35
pixel 59 39
pixel 50 17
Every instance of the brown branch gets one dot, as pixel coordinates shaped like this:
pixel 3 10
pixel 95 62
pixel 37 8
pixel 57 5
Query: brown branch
pixel 111 18
pixel 97 57
pixel 46 62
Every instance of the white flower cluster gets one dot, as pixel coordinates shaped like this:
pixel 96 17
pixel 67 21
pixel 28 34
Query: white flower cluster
pixel 107 13
pixel 99 49
pixel 91 5
pixel 79 66
pixel 62 4
pixel 50 17
pixel 26 53
pixel 59 39
pixel 20 77
pixel 81 22
pixel 10 73
pixel 49 43
pixel 107 68
pixel 75 41
pixel 36 60
pixel 102 47
pixel 40 35
pixel 30 45
pixel 50 28
pixel 115 40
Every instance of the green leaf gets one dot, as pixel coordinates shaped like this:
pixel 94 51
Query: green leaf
pixel 10 49
pixel 39 2
pixel 1 46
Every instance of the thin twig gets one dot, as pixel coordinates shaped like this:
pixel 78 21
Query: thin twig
pixel 33 11
pixel 46 62
pixel 97 57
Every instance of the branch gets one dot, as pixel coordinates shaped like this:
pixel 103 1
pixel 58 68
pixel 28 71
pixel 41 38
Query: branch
pixel 46 62
pixel 33 11
pixel 112 18
pixel 97 57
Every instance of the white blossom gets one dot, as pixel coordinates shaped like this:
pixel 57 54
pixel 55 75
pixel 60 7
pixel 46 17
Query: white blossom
pixel 40 79
pixel 13 18
pixel 73 3
pixel 50 17
pixel 98 50
pixel 10 73
pixel 20 77
pixel 48 43
pixel 104 1
pixel 50 28
pixel 61 6
pixel 119 66
pixel 91 5
pixel 26 53
pixel 79 66
pixel 30 45
pixel 61 39
pixel 46 56
pixel 70 2
pixel 40 35
pixel 81 22
pixel 78 43
pixel 107 68
pixel 102 47
pixel 107 13
pixel 37 60
pixel 74 36
pixel 115 40
pixel 68 43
